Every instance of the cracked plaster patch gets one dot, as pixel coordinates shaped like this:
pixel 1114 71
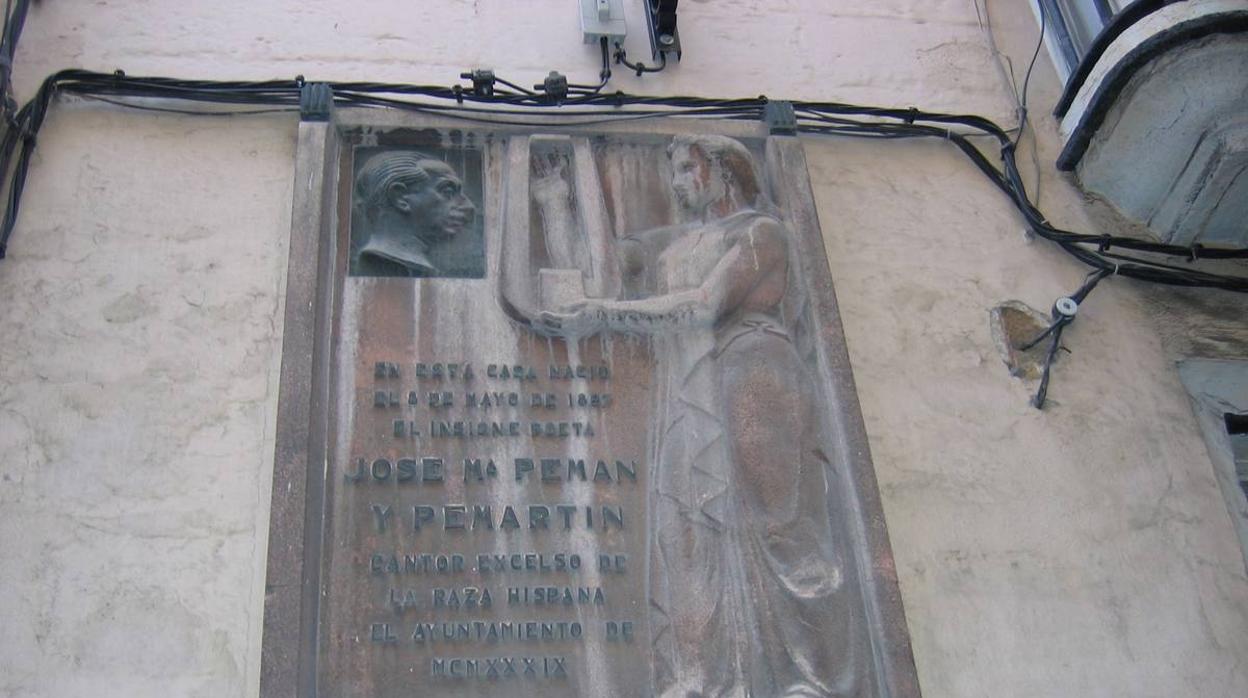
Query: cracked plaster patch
pixel 1014 323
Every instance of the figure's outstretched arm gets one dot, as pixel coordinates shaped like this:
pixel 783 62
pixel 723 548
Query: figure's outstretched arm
pixel 752 272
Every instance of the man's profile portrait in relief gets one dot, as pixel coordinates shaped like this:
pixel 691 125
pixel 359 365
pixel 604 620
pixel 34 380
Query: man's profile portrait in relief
pixel 412 216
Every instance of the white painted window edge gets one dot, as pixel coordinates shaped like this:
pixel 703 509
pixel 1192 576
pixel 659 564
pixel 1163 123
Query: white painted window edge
pixel 1136 34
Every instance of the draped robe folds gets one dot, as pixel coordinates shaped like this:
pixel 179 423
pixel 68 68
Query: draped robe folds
pixel 750 594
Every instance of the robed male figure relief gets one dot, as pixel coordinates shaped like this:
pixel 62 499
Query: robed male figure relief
pixel 753 590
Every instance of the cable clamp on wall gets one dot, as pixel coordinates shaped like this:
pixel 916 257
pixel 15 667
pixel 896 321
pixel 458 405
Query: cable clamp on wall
pixel 780 118
pixel 1065 307
pixel 621 57
pixel 483 80
pixel 555 86
pixel 1064 311
pixel 316 102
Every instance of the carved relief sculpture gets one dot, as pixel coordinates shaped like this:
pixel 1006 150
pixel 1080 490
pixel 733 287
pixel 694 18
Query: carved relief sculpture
pixel 753 587
pixel 407 206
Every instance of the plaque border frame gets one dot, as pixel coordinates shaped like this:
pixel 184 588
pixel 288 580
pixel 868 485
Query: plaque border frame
pixel 289 640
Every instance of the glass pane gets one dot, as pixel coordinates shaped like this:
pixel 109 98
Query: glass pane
pixel 1084 20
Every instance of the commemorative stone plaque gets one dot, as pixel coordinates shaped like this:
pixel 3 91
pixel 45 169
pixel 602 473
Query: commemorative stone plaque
pixel 581 425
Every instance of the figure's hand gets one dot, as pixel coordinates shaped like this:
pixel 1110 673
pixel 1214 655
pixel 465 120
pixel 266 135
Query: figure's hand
pixel 551 188
pixel 574 321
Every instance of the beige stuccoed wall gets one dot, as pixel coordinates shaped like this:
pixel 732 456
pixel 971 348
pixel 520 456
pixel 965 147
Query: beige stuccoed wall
pixel 1080 551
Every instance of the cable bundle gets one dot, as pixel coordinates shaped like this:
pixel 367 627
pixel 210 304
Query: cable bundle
pixel 557 102
pixel 504 105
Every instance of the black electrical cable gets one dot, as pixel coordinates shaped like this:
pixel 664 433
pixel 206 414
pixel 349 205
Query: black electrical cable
pixel 1064 312
pixel 814 117
pixel 4 36
pixel 1022 102
pixel 581 105
pixel 1011 184
pixel 515 87
pixel 14 21
pixel 621 56
pixel 604 75
pixel 190 112
pixel 368 101
pixel 834 115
